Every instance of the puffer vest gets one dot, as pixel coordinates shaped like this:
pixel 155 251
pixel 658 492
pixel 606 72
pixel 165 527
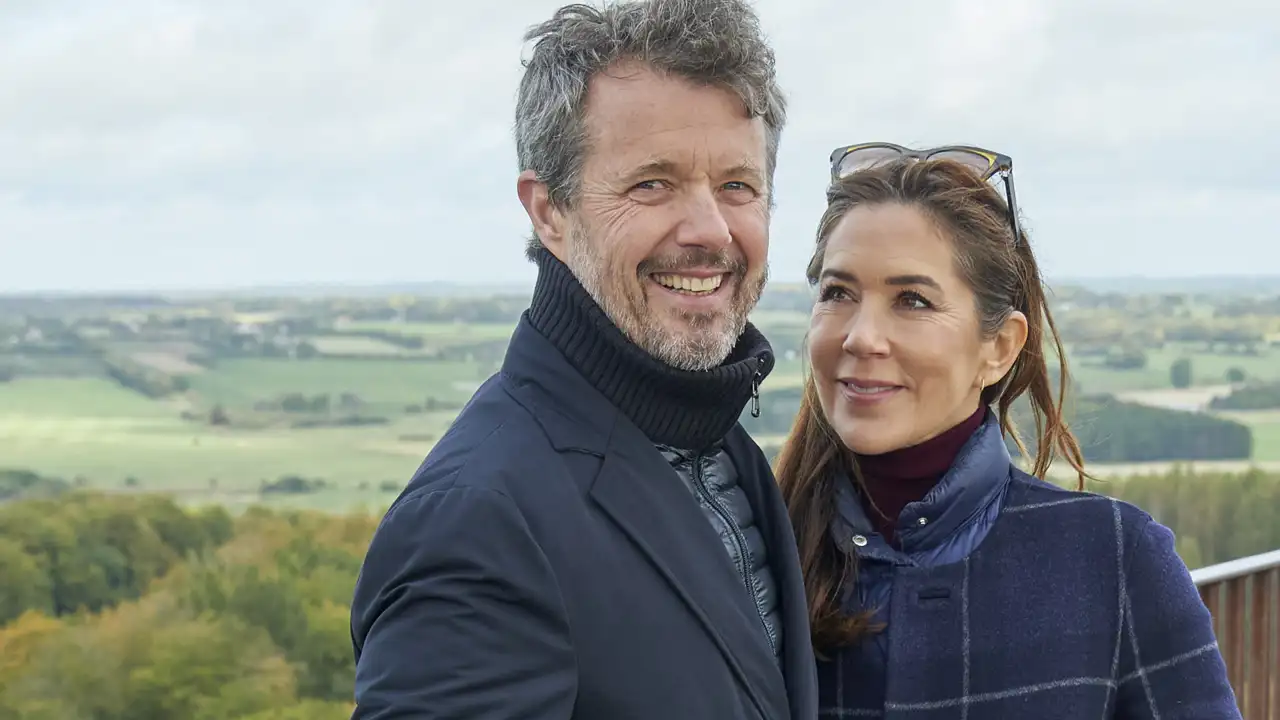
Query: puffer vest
pixel 712 477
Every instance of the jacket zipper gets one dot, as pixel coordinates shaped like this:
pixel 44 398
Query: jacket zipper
pixel 738 539
pixel 755 394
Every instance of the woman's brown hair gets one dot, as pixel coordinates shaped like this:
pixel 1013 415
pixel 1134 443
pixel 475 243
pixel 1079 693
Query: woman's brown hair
pixel 1001 271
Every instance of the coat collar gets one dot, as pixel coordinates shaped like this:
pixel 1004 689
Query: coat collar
pixel 540 378
pixel 681 408
pixel 978 475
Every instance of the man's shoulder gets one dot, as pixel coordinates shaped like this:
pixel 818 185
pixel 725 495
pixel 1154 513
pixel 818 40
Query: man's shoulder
pixel 492 433
pixel 498 444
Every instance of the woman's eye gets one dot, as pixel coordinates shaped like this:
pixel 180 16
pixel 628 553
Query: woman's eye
pixel 915 301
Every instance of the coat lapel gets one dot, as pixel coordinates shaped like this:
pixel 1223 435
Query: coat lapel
pixel 642 494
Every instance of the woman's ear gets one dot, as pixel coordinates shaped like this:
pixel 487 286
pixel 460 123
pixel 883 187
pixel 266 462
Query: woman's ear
pixel 1005 347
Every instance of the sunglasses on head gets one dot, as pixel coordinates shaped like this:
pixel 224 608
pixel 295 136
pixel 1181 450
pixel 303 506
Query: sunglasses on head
pixel 849 159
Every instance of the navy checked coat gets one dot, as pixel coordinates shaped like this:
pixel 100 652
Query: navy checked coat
pixel 1013 598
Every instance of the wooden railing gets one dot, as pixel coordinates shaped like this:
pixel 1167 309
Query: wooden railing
pixel 1244 597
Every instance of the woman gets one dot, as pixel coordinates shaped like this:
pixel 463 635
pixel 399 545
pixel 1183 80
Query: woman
pixel 943 581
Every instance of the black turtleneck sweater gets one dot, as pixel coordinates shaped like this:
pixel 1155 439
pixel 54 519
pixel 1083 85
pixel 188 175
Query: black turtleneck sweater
pixel 680 408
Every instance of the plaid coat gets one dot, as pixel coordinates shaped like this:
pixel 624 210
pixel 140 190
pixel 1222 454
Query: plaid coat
pixel 1014 598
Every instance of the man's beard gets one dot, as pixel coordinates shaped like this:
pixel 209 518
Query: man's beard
pixel 698 345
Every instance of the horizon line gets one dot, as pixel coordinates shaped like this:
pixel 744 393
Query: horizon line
pixel 506 286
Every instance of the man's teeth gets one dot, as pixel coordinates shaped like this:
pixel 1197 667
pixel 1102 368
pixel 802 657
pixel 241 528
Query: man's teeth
pixel 689 284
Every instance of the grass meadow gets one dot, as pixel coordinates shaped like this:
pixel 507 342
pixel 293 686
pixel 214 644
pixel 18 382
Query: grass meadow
pixel 1206 368
pixel 240 383
pixel 440 335
pixel 92 428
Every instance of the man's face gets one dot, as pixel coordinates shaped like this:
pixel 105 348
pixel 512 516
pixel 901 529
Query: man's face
pixel 671 231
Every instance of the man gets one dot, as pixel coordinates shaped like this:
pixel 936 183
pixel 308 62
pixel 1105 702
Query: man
pixel 596 537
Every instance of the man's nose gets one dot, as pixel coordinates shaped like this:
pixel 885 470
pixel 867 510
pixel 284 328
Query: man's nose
pixel 703 224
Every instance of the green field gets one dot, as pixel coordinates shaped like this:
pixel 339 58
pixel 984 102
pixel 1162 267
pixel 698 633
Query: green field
pixel 786 373
pixel 92 428
pixel 89 398
pixel 362 346
pixel 1266 441
pixel 1266 432
pixel 780 319
pixel 240 383
pixel 1206 368
pixel 439 335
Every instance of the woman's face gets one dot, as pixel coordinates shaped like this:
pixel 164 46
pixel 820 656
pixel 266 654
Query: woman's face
pixel 895 348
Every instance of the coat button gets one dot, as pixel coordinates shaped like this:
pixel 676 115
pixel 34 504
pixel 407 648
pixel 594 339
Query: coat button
pixel 859 540
pixel 922 522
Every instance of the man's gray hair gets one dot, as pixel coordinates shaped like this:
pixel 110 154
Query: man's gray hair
pixel 717 43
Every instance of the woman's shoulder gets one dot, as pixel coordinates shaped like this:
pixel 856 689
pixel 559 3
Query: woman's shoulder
pixel 1053 505
pixel 1125 574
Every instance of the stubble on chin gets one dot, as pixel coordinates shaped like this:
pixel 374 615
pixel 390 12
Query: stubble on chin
pixel 684 341
pixel 695 342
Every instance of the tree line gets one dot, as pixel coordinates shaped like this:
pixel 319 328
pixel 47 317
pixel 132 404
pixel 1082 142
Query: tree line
pixel 70 551
pixel 1112 431
pixel 1253 395
pixel 117 606
pixel 129 606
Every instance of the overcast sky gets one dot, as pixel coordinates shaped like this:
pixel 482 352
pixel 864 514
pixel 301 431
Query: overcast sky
pixel 170 143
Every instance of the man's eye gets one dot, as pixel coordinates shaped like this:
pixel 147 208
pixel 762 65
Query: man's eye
pixel 833 292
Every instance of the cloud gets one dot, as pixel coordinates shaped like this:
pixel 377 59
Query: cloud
pixel 224 142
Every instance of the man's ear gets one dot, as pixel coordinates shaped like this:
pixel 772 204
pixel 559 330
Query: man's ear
pixel 548 221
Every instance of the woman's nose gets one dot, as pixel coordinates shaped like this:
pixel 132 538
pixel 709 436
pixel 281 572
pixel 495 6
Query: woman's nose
pixel 865 334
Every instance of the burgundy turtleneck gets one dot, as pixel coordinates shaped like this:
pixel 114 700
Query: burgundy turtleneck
pixel 895 479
